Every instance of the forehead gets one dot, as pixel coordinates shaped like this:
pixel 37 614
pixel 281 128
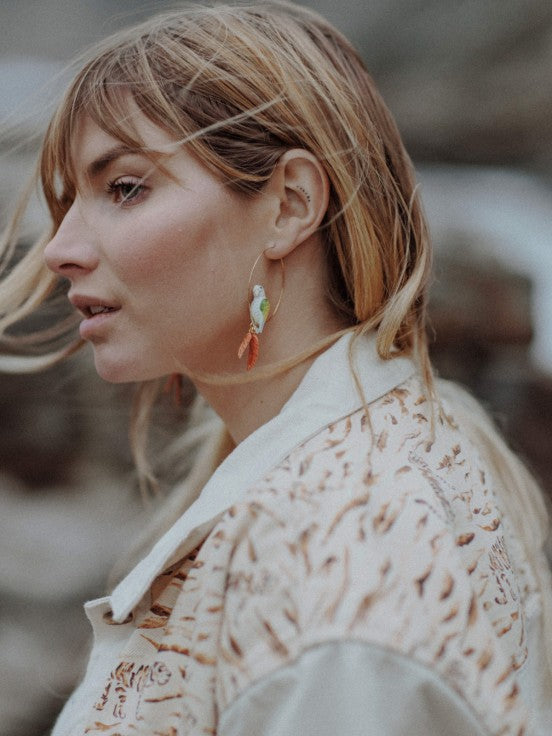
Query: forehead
pixel 92 145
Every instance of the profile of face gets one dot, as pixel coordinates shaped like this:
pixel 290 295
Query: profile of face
pixel 157 260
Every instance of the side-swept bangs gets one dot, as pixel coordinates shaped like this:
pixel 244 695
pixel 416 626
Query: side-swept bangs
pixel 180 90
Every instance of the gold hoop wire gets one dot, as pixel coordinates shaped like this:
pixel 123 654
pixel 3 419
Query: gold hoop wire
pixel 272 312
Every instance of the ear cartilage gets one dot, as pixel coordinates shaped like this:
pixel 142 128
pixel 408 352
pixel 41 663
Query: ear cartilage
pixel 307 195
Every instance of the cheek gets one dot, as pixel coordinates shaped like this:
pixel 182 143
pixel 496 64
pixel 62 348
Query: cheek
pixel 186 269
pixel 159 250
pixel 184 264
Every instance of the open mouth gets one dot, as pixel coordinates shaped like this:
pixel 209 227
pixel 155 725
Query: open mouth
pixel 92 311
pixel 92 306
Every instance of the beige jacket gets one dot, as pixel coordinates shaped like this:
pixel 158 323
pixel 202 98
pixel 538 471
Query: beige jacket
pixel 341 573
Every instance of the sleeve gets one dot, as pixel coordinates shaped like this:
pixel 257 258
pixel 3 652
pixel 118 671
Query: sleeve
pixel 353 688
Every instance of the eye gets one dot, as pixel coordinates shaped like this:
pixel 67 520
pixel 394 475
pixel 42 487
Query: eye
pixel 126 191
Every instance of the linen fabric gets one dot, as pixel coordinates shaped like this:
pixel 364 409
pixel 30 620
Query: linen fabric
pixel 346 570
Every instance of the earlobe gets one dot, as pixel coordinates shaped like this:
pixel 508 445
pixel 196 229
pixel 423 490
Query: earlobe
pixel 301 186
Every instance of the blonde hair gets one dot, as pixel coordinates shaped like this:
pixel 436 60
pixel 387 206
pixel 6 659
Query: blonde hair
pixel 239 85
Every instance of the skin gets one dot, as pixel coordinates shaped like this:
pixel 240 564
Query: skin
pixel 171 254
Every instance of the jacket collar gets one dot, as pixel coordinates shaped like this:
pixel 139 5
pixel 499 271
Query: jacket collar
pixel 327 393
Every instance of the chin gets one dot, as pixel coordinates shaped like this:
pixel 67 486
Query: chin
pixel 120 371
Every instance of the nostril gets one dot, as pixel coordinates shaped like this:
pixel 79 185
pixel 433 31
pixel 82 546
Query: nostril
pixel 60 265
pixel 67 270
pixel 69 266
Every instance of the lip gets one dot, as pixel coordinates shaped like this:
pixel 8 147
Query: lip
pixel 92 322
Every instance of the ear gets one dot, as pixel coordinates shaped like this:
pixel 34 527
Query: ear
pixel 301 189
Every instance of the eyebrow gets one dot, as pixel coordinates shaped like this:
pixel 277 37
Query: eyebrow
pixel 102 162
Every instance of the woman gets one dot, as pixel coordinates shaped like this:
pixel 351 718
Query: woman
pixel 231 202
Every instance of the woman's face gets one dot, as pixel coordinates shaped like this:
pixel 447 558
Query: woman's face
pixel 157 264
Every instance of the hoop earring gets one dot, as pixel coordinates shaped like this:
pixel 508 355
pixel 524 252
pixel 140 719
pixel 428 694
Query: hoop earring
pixel 259 314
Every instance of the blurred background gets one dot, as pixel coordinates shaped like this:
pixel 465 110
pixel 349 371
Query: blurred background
pixel 470 84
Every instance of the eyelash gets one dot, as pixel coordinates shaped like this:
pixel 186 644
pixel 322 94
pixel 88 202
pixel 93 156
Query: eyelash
pixel 125 191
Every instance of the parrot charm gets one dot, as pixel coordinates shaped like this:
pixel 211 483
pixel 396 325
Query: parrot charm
pixel 259 309
pixel 258 312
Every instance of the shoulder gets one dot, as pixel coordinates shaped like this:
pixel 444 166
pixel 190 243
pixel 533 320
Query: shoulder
pixel 370 475
pixel 377 530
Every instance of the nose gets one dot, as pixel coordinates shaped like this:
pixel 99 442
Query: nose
pixel 72 251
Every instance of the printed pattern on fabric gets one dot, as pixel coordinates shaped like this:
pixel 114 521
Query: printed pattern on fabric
pixel 373 530
pixel 164 683
pixel 384 536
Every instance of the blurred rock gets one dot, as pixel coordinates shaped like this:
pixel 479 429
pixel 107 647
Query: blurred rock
pixel 467 82
pixel 55 419
pixel 56 549
pixel 480 319
pixel 479 301
pixel 501 216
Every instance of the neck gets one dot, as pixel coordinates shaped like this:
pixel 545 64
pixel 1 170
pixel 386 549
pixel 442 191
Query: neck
pixel 245 407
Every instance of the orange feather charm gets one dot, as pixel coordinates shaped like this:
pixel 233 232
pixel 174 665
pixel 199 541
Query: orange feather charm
pixel 244 343
pixel 253 351
pixel 252 341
